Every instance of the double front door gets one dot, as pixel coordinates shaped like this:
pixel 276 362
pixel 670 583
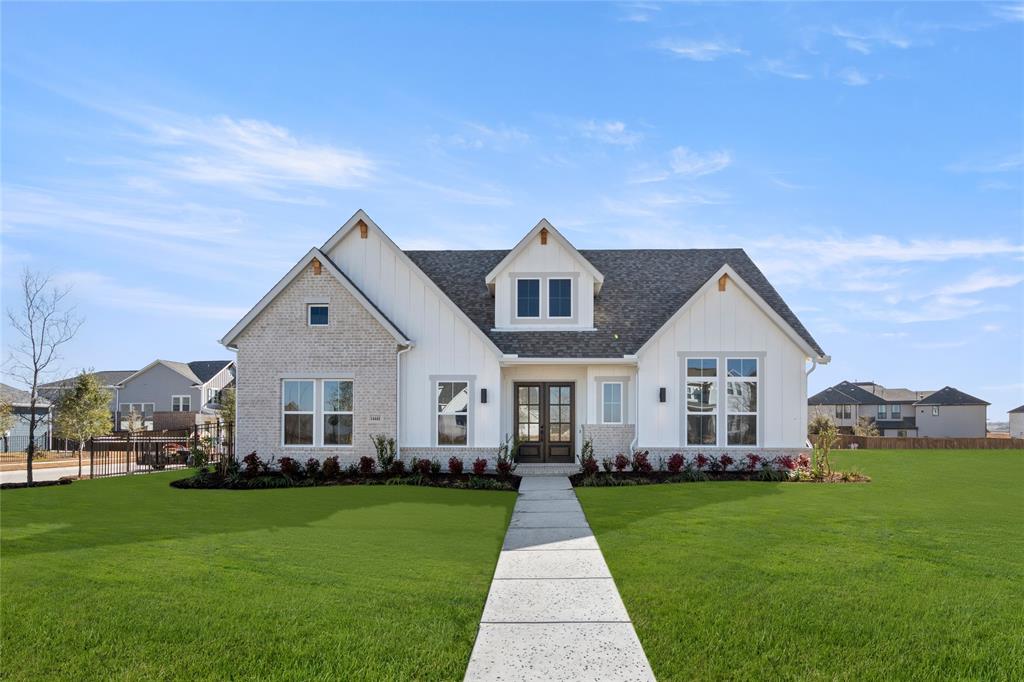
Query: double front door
pixel 545 421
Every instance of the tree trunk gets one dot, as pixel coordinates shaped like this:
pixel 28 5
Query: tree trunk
pixel 30 451
pixel 81 446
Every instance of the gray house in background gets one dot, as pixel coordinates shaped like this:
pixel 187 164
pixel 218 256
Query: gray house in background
pixel 108 379
pixel 901 412
pixel 173 395
pixel 16 439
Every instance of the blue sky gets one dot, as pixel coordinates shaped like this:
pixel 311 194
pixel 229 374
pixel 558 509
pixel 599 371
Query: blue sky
pixel 171 162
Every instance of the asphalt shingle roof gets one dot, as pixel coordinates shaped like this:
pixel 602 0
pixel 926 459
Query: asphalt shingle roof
pixel 642 289
pixel 1017 410
pixel 845 393
pixel 20 398
pixel 207 369
pixel 951 396
pixel 110 377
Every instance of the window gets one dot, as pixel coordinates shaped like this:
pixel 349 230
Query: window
pixel 559 298
pixel 843 412
pixel 297 406
pixel 143 410
pixel 935 410
pixel 881 412
pixel 701 401
pixel 527 298
pixel 897 411
pixel 181 403
pixel 611 402
pixel 337 417
pixel 318 315
pixel 453 411
pixel 741 401
pixel 901 434
pixel 213 395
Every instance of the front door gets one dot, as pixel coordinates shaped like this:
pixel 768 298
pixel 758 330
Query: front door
pixel 545 421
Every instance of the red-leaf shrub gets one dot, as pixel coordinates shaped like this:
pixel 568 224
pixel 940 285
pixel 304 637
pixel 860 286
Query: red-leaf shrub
pixel 676 463
pixel 621 462
pixel 803 461
pixel 701 460
pixel 331 469
pixel 397 468
pixel 752 461
pixel 504 467
pixel 479 466
pixel 785 462
pixel 289 466
pixel 367 465
pixel 726 462
pixel 589 465
pixel 640 463
pixel 252 464
pixel 455 466
pixel 423 466
pixel 312 467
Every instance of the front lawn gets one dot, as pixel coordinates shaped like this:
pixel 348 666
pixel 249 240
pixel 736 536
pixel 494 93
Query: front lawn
pixel 916 575
pixel 129 578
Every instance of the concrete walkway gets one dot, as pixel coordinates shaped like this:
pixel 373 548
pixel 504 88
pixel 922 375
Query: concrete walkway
pixel 553 611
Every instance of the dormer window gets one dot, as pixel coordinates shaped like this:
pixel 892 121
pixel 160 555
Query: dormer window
pixel 559 298
pixel 528 298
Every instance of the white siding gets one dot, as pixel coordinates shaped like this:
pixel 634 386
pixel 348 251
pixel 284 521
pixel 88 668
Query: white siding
pixel 445 342
pixel 719 322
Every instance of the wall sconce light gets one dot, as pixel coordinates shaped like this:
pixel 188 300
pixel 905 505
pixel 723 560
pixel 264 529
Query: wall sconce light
pixel 483 395
pixel 661 394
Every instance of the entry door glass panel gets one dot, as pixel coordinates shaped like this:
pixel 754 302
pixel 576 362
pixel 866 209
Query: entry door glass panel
pixel 529 413
pixel 559 414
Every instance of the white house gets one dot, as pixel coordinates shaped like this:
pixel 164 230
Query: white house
pixel 1017 422
pixel 450 351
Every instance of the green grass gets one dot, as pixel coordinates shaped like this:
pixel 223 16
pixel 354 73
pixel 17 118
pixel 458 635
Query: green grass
pixel 916 575
pixel 129 578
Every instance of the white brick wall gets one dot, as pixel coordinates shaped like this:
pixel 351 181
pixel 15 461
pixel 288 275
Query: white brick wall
pixel 609 439
pixel 279 344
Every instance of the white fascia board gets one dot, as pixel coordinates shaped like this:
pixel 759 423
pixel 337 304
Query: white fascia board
pixel 565 243
pixel 753 296
pixel 510 360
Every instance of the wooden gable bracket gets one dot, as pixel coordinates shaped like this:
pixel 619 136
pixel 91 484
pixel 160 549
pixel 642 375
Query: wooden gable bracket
pixel 543 236
pixel 316 266
pixel 721 282
pixel 363 228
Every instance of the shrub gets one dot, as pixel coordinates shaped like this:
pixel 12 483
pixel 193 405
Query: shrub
pixel 606 464
pixel 640 462
pixel 367 465
pixel 352 470
pixel 289 467
pixel 820 423
pixel 803 461
pixel 312 468
pixel 752 461
pixel 422 466
pixel 504 462
pixel 588 463
pixel 455 466
pixel 397 468
pixel 505 467
pixel 251 464
pixel 435 467
pixel 331 469
pixel 726 462
pixel 701 461
pixel 785 462
pixel 675 463
pixel 479 466
pixel 386 449
pixel 621 462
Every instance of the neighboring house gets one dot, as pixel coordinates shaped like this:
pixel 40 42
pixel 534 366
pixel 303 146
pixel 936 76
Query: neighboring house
pixel 900 412
pixel 16 439
pixel 108 379
pixel 1017 422
pixel 173 395
pixel 449 351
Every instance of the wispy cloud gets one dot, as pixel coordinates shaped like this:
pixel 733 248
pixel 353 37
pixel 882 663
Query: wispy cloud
pixel 694 164
pixel 865 41
pixel 992 164
pixel 981 281
pixel 639 12
pixel 480 136
pixel 853 76
pixel 610 132
pixel 1009 12
pixel 782 68
pixel 699 51
pixel 939 345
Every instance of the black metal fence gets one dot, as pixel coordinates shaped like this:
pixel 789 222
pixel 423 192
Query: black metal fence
pixel 126 454
pixel 13 447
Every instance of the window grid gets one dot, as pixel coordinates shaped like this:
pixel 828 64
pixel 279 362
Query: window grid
pixel 528 298
pixel 559 298
pixel 318 314
pixel 611 402
pixel 181 403
pixel 741 404
pixel 336 415
pixel 701 401
pixel 452 411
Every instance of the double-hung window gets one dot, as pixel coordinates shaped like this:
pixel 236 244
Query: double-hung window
pixel 452 409
pixel 843 412
pixel 611 402
pixel 897 412
pixel 528 298
pixel 881 412
pixel 317 412
pixel 142 411
pixel 181 403
pixel 701 401
pixel 559 298
pixel 741 401
pixel 935 410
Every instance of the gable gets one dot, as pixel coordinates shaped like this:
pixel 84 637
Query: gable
pixel 544 249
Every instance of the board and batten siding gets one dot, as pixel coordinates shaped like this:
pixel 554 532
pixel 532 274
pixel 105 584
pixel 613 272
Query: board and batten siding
pixel 156 385
pixel 722 322
pixel 445 343
pixel 545 260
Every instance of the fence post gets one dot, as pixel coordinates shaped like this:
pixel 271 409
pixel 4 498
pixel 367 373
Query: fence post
pixel 92 454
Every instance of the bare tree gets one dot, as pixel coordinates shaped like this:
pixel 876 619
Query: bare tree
pixel 45 323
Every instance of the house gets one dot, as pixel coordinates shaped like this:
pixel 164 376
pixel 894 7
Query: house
pixel 16 438
pixel 172 395
pixel 108 379
pixel 1017 422
pixel 450 351
pixel 900 412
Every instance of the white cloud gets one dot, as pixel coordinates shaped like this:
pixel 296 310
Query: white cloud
pixel 938 345
pixel 694 164
pixel 480 136
pixel 1010 12
pixel 779 67
pixel 998 164
pixel 864 41
pixel 901 310
pixel 609 132
pixel 853 76
pixel 981 281
pixel 992 328
pixel 699 51
pixel 640 12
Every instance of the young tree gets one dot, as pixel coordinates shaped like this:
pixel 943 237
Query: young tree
pixel 227 405
pixel 865 427
pixel 44 323
pixel 6 420
pixel 83 411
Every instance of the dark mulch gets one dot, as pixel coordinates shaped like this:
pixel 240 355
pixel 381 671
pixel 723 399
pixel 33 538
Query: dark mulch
pixel 617 478
pixel 63 480
pixel 214 481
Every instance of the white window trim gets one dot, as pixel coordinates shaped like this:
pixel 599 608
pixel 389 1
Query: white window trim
pixel 756 380
pixel 121 412
pixel 318 413
pixel 309 314
pixel 896 409
pixel 935 410
pixel 622 400
pixel 540 298
pixel 721 412
pixel 572 298
pixel 181 403
pixel 686 401
pixel 470 381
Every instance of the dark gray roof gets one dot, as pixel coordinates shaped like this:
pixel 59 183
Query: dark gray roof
pixel 207 369
pixel 1017 410
pixel 951 396
pixel 19 398
pixel 845 393
pixel 642 289
pixel 108 377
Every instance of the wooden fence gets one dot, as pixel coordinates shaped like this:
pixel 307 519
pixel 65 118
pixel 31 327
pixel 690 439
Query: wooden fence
pixel 884 443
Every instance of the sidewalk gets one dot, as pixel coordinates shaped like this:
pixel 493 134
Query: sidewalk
pixel 553 611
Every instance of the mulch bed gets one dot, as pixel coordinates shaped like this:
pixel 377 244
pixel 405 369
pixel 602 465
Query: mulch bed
pixel 64 480
pixel 655 477
pixel 214 481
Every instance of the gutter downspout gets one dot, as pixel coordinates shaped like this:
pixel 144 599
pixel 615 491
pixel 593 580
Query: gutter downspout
pixel 636 404
pixel 398 401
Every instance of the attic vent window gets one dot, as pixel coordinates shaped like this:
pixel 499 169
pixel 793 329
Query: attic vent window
pixel 363 229
pixel 316 266
pixel 721 282
pixel 543 236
